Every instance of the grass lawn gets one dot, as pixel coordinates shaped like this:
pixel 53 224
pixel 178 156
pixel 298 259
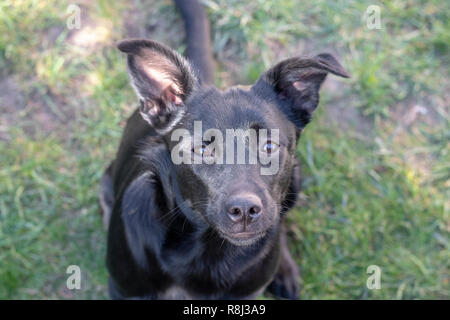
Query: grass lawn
pixel 375 158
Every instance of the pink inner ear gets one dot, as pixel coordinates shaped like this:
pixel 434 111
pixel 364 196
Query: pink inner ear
pixel 170 94
pixel 177 100
pixel 169 88
pixel 299 85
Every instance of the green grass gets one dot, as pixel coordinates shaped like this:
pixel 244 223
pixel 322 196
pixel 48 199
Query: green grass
pixel 366 208
pixel 372 197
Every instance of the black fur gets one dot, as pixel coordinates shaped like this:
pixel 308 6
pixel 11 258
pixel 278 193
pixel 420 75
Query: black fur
pixel 168 232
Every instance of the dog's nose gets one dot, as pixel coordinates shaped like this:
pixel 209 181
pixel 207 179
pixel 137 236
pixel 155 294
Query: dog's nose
pixel 246 206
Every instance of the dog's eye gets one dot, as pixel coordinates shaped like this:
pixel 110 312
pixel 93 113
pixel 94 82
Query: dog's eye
pixel 202 150
pixel 270 147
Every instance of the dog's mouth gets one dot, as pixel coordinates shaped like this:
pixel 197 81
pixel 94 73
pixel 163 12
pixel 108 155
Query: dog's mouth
pixel 242 238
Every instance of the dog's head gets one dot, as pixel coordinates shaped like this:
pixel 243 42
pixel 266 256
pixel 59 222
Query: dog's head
pixel 233 151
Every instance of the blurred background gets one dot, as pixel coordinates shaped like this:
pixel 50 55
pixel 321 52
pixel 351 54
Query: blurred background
pixel 375 158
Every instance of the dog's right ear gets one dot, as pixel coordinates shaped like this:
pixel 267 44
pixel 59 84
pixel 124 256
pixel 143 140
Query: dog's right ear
pixel 296 83
pixel 162 79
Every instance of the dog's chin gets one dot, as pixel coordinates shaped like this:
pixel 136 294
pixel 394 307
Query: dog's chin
pixel 243 238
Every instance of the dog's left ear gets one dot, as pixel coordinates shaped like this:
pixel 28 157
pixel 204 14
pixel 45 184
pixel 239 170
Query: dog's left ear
pixel 162 79
pixel 296 82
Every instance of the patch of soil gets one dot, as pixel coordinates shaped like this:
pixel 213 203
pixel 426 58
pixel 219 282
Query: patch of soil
pixel 415 119
pixel 37 113
pixel 92 34
pixel 340 108
pixel 412 110
pixel 11 104
pixel 142 20
pixel 35 108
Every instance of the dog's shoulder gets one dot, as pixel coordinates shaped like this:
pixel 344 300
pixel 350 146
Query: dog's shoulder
pixel 138 138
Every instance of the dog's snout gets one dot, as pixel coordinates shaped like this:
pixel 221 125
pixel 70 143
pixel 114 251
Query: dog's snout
pixel 247 206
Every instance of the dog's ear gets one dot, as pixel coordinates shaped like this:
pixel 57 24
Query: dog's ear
pixel 162 79
pixel 296 82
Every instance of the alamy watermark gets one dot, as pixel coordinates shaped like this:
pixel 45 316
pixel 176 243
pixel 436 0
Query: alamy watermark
pixel 73 282
pixel 374 280
pixel 74 19
pixel 372 17
pixel 239 146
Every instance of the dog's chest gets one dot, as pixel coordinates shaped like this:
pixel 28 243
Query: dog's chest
pixel 176 292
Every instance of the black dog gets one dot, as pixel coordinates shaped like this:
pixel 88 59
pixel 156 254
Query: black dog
pixel 205 231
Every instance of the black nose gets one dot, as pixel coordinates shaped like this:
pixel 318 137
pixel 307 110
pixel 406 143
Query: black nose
pixel 246 206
